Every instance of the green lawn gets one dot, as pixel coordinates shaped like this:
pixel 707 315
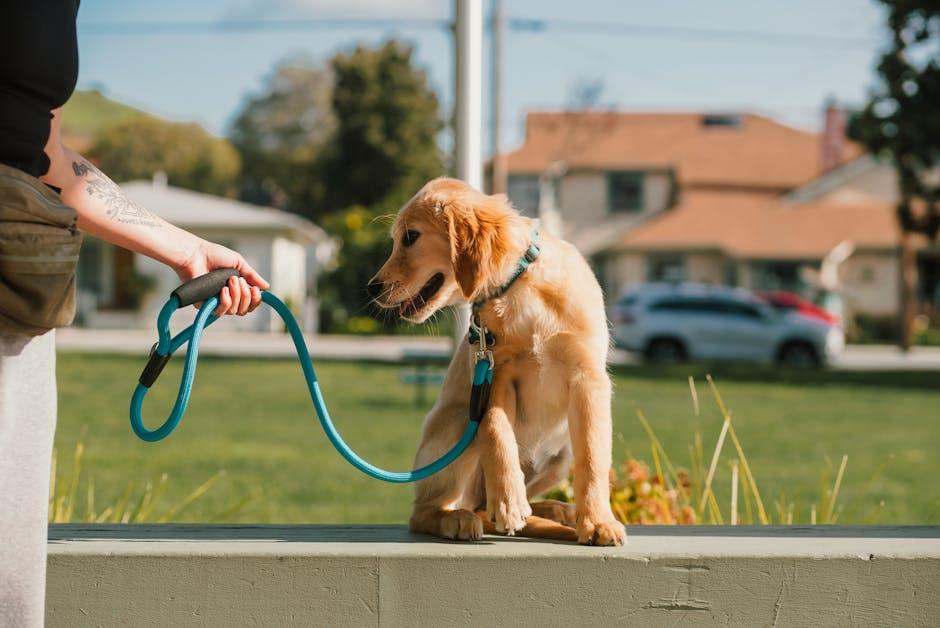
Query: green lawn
pixel 253 419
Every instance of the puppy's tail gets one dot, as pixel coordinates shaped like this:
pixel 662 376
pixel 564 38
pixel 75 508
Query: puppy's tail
pixel 535 528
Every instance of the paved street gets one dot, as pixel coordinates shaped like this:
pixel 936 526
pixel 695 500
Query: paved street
pixel 394 348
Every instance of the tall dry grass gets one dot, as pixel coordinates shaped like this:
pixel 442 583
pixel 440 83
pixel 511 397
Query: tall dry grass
pixel 72 497
pixel 661 492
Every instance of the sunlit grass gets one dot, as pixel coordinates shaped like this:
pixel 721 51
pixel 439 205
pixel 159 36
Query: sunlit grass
pixel 253 419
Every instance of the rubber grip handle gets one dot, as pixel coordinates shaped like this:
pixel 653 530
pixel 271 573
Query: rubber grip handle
pixel 203 287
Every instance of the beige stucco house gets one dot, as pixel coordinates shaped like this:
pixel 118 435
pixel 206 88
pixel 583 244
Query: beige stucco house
pixel 727 199
pixel 122 290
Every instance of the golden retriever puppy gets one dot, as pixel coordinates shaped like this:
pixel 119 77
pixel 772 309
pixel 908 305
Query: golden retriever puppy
pixel 550 395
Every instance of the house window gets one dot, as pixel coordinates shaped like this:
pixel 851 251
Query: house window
pixel 778 276
pixel 523 192
pixel 665 268
pixel 730 273
pixel 625 191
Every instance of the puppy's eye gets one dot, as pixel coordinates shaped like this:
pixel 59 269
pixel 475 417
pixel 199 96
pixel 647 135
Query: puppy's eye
pixel 410 237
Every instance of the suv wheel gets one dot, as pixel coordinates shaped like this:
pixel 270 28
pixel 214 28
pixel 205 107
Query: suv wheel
pixel 798 355
pixel 665 351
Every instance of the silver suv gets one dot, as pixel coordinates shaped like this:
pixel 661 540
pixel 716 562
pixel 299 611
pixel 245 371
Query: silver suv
pixel 673 323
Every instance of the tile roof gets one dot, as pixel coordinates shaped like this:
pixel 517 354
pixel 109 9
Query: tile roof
pixel 758 153
pixel 754 226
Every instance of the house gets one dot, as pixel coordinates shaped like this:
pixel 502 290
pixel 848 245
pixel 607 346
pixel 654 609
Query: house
pixel 737 199
pixel 120 289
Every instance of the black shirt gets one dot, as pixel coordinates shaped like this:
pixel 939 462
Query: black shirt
pixel 38 71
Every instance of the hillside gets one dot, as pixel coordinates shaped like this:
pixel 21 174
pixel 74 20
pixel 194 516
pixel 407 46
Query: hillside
pixel 89 112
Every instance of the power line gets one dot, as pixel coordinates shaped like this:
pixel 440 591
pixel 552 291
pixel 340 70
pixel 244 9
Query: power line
pixel 516 24
pixel 225 27
pixel 715 35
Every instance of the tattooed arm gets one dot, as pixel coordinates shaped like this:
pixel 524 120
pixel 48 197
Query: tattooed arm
pixel 105 212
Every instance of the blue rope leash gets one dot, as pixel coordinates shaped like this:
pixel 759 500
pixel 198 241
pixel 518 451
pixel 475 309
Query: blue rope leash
pixel 160 355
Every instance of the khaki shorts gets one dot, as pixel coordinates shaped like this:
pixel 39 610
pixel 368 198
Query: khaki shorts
pixel 39 244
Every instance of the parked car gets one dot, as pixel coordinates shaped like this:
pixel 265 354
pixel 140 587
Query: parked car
pixel 789 302
pixel 673 323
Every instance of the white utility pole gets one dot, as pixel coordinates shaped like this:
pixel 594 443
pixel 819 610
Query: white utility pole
pixel 498 34
pixel 469 107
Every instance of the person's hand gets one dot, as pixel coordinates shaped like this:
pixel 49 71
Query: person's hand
pixel 242 294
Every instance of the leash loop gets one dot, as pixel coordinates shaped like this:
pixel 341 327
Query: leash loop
pixel 167 345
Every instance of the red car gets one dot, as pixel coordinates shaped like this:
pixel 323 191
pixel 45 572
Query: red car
pixel 789 302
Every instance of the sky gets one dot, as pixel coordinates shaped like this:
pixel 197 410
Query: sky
pixel 783 59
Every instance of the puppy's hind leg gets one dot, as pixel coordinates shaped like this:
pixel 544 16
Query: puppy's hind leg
pixel 534 528
pixel 551 474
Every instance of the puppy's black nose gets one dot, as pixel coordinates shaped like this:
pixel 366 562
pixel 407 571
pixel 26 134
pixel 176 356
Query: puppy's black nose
pixel 375 288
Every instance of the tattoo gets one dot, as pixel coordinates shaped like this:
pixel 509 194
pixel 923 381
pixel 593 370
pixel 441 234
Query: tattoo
pixel 119 207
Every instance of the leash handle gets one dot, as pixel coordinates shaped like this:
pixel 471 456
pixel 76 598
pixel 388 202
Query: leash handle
pixel 203 287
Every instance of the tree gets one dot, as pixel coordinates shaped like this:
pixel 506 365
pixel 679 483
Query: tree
pixel 382 149
pixel 193 159
pixel 384 146
pixel 901 123
pixel 280 131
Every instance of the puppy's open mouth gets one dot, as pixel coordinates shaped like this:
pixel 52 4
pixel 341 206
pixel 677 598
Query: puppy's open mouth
pixel 416 303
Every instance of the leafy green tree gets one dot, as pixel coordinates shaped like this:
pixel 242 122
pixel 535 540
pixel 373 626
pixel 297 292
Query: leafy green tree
pixel 384 146
pixel 381 151
pixel 279 133
pixel 902 123
pixel 192 158
pixel 344 146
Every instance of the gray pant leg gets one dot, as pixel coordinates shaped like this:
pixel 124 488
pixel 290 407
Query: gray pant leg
pixel 27 427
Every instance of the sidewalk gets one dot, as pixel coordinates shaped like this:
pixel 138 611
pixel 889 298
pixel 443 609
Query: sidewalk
pixel 396 348
pixel 257 345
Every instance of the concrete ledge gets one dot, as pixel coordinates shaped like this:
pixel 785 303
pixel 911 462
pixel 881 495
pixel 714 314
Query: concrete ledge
pixel 380 575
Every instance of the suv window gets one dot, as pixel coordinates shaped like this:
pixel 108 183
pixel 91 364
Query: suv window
pixel 683 304
pixel 737 308
pixel 707 305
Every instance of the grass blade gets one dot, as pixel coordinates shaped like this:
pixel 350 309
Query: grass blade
pixel 835 491
pixel 734 493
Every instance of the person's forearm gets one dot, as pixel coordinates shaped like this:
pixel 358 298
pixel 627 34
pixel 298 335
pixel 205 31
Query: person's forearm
pixel 105 212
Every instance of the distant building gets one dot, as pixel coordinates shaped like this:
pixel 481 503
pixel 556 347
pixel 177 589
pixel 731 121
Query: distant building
pixel 120 289
pixel 721 198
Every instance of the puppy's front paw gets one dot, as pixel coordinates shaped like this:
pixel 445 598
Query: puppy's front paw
pixel 462 525
pixel 509 511
pixel 601 531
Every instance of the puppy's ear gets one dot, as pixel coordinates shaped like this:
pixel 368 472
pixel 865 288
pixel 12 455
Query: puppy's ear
pixel 476 227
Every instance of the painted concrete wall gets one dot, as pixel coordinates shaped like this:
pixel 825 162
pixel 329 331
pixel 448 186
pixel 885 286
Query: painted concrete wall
pixel 880 181
pixel 705 268
pixel 288 276
pixel 583 196
pixel 382 576
pixel 621 270
pixel 873 280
